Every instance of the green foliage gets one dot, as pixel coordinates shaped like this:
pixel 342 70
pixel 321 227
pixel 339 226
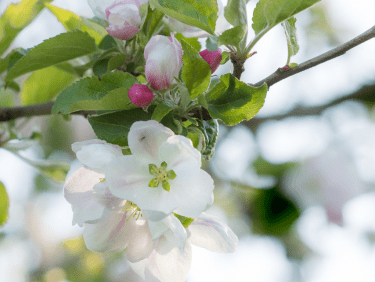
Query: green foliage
pixel 194 42
pixel 109 93
pixel 232 100
pixel 44 85
pixel 114 127
pixel 262 167
pixel 163 109
pixel 53 51
pixel 233 36
pixel 151 21
pixel 11 59
pixel 271 212
pixel 235 12
pixel 210 130
pixel 291 37
pixel 107 43
pixel 16 18
pixel 100 67
pixel 6 98
pixel 198 13
pixel 269 13
pixel 211 43
pixel 4 204
pixel 71 22
pixel 116 61
pixel 225 57
pixel 196 72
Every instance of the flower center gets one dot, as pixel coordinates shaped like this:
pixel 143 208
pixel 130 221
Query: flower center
pixel 162 175
pixel 135 211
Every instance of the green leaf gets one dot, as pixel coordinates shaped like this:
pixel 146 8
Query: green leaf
pixel 235 12
pixel 269 13
pixel 107 43
pixel 100 67
pixel 225 57
pixel 152 21
pixel 163 109
pixel 233 36
pixel 210 130
pixel 196 72
pixel 11 59
pixel 44 85
pixel 114 127
pixel 197 137
pixel 16 18
pixel 185 221
pixel 194 42
pixel 291 37
pixel 198 13
pixel 211 43
pixel 116 61
pixel 72 21
pixel 6 98
pixel 232 100
pixel 4 204
pixel 63 47
pixel 111 93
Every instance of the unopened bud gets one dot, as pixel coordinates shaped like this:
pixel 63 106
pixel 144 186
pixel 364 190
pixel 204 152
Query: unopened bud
pixel 212 58
pixel 140 95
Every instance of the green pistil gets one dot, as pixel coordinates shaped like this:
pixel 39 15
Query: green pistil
pixel 161 176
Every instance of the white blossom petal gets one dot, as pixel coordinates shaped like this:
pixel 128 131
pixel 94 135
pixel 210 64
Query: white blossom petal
pixel 193 189
pixel 145 138
pixel 128 178
pixel 111 234
pixel 166 263
pixel 97 156
pixel 178 149
pixel 141 244
pixel 104 196
pixel 208 231
pixel 78 191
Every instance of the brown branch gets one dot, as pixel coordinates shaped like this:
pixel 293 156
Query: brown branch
pixel 281 74
pixel 7 114
pixel 364 94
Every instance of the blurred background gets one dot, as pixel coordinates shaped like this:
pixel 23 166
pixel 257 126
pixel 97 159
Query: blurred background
pixel 296 183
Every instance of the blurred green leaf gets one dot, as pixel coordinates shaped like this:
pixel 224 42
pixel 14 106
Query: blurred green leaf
pixel 232 100
pixel 198 13
pixel 117 61
pixel 114 127
pixel 6 98
pixel 263 167
pixel 4 204
pixel 72 21
pixel 163 109
pixel 16 18
pixel 211 43
pixel 107 43
pixel 63 47
pixel 109 93
pixel 291 37
pixel 233 36
pixel 194 42
pixel 100 67
pixel 235 12
pixel 44 85
pixel 196 72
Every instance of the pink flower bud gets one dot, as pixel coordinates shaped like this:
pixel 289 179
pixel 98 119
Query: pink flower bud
pixel 140 95
pixel 163 57
pixel 124 19
pixel 212 58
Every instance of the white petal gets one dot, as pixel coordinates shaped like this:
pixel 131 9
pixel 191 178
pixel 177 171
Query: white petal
pixel 128 178
pixel 104 196
pixel 210 232
pixel 177 150
pixel 193 189
pixel 171 228
pixel 97 156
pixel 145 138
pixel 141 244
pixel 111 234
pixel 78 191
pixel 167 264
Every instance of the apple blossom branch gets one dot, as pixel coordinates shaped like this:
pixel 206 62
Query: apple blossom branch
pixel 281 73
pixel 7 114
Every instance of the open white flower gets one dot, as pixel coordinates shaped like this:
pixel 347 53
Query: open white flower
pixel 167 263
pixel 162 175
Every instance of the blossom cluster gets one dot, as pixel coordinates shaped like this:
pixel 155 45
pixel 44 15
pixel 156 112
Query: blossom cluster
pixel 150 203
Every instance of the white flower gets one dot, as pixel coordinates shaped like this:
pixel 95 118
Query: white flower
pixel 167 263
pixel 162 175
pixel 163 57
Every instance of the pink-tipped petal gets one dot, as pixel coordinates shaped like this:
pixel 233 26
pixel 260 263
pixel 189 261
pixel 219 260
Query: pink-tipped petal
pixel 212 58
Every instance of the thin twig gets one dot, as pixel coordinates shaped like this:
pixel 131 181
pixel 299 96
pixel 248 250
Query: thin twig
pixel 281 74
